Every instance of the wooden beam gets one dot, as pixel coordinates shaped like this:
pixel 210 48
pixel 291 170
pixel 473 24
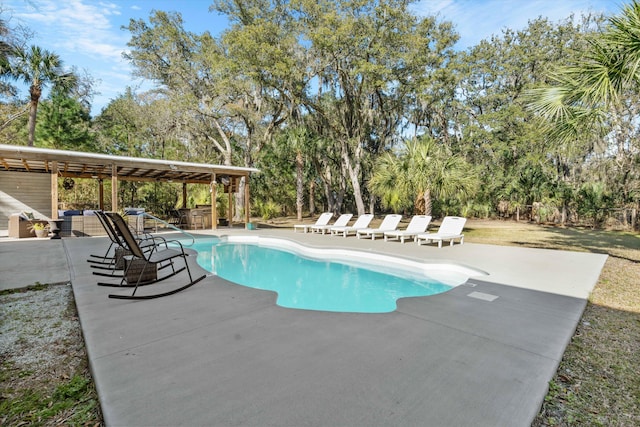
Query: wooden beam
pixel 91 175
pixel 184 195
pixel 69 161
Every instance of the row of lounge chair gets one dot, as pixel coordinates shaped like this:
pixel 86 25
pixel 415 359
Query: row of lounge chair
pixel 450 229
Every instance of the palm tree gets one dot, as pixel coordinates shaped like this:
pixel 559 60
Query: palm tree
pixel 585 107
pixel 424 169
pixel 583 93
pixel 36 67
pixel 389 181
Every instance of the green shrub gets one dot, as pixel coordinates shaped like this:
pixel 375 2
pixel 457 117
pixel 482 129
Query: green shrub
pixel 268 210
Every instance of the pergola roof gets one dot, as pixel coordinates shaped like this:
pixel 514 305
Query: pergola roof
pixel 76 164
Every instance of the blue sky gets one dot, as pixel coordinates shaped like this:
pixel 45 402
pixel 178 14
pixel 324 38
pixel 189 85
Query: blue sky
pixel 87 33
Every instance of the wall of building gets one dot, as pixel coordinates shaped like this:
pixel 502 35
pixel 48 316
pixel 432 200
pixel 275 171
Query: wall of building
pixel 23 191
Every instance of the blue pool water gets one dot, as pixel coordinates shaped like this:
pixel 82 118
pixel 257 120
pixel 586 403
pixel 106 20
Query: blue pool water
pixel 311 284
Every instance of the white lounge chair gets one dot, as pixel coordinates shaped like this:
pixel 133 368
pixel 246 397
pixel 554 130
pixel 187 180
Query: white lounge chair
pixel 322 220
pixel 390 222
pixel 417 225
pixel 450 229
pixel 342 221
pixel 362 222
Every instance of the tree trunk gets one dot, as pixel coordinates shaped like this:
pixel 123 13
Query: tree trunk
pixel 354 176
pixel 333 191
pixel 299 184
pixel 34 92
pixel 312 196
pixel 357 194
pixel 226 150
pixel 334 197
pixel 427 202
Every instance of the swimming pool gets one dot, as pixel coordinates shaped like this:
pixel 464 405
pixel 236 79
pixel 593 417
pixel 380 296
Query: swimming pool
pixel 321 279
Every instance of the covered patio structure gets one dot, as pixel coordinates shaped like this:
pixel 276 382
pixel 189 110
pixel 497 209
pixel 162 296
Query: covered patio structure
pixel 101 167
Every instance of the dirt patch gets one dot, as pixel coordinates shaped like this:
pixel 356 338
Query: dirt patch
pixel 44 376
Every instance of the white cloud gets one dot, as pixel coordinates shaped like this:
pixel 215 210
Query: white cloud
pixel 476 20
pixel 79 26
pixel 85 33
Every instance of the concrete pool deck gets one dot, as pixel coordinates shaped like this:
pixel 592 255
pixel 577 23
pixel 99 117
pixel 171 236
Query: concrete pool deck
pixel 222 354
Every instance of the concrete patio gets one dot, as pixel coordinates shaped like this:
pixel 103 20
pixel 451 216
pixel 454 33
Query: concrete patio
pixel 222 354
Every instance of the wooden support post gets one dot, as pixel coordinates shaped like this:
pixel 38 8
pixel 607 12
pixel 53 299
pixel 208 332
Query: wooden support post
pixel 247 212
pixel 214 205
pixel 184 195
pixel 101 194
pixel 230 209
pixel 114 188
pixel 54 190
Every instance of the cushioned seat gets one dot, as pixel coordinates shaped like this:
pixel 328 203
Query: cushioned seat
pixel 21 227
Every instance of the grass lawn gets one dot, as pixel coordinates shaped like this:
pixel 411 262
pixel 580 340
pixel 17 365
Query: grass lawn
pixel 597 383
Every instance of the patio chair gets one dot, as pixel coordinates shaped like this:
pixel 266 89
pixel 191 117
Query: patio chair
pixel 417 225
pixel 113 260
pixel 362 222
pixel 322 220
pixel 108 259
pixel 390 222
pixel 340 222
pixel 139 263
pixel 178 219
pixel 450 229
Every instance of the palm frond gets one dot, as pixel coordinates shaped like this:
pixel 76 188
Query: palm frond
pixel 624 34
pixel 550 102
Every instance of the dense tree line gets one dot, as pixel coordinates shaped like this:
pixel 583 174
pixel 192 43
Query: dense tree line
pixel 365 106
